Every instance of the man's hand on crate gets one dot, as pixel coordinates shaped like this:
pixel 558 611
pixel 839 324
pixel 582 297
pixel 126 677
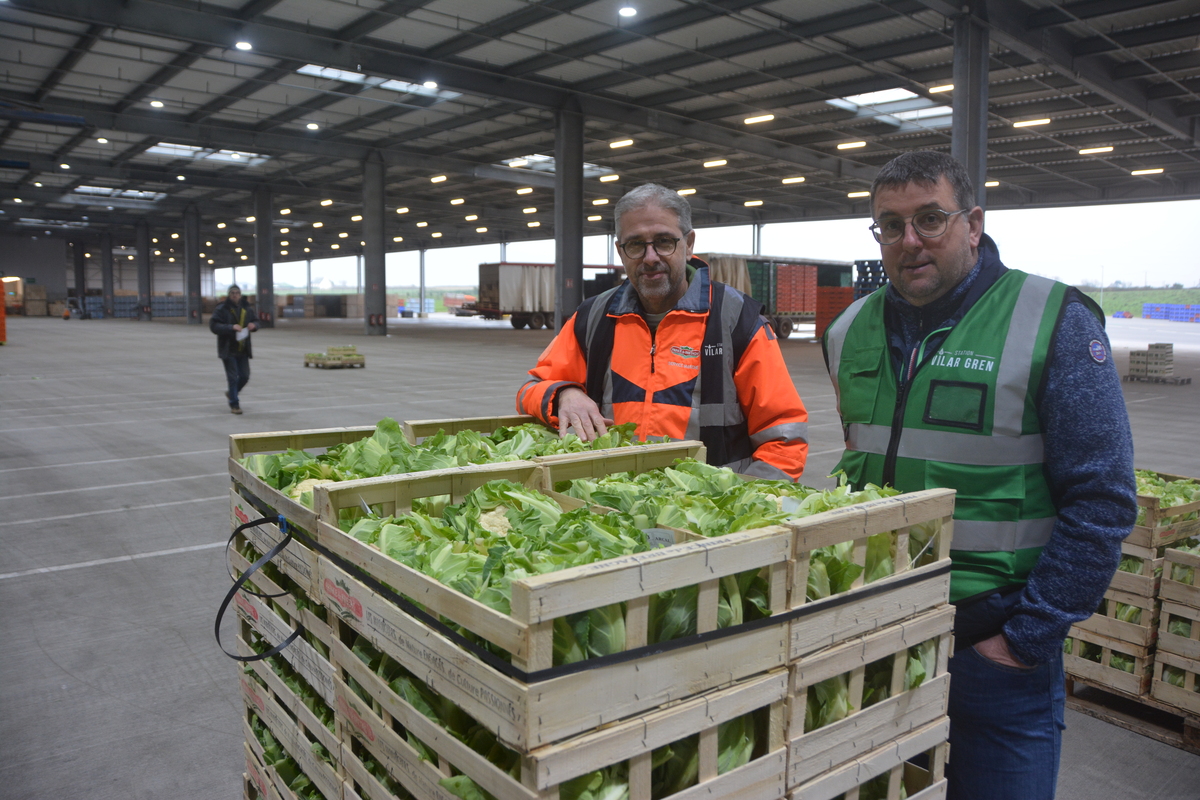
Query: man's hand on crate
pixel 995 648
pixel 577 410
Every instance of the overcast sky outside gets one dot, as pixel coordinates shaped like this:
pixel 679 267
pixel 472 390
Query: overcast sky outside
pixel 1138 244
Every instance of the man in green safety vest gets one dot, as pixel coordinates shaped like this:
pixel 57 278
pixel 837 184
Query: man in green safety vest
pixel 964 374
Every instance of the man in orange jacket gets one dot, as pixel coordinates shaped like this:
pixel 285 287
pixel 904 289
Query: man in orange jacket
pixel 674 352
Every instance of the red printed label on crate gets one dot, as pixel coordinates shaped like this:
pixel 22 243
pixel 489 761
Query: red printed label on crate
pixel 253 695
pixel 351 713
pixel 339 593
pixel 256 776
pixel 246 605
pixel 241 515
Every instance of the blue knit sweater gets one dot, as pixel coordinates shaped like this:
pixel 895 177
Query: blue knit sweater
pixel 1088 460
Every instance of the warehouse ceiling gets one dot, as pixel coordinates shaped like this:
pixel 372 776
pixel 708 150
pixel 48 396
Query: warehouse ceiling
pixel 119 110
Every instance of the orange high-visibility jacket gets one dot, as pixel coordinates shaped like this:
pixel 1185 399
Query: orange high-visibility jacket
pixel 724 383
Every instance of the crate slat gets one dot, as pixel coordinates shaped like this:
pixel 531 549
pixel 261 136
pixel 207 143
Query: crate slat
pixel 1186 646
pixel 1185 698
pixel 1177 591
pixel 293 739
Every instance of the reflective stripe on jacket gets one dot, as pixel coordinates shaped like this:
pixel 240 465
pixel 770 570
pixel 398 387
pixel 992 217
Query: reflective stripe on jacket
pixel 723 383
pixel 966 420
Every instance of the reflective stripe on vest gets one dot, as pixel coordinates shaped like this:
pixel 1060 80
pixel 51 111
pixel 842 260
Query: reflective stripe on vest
pixel 1006 537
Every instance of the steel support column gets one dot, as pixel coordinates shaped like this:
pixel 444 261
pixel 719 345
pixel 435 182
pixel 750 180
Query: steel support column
pixel 106 274
pixel 968 142
pixel 568 214
pixel 142 242
pixel 191 265
pixel 264 258
pixel 79 250
pixel 421 308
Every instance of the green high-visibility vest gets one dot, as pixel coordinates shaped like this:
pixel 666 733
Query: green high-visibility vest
pixel 966 420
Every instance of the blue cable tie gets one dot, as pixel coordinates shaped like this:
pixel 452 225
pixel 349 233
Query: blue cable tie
pixel 282 524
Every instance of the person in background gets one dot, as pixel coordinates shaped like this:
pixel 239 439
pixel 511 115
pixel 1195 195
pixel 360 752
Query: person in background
pixel 678 354
pixel 965 374
pixel 232 322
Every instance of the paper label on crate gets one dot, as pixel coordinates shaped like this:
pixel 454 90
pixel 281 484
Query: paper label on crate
pixel 349 709
pixel 659 537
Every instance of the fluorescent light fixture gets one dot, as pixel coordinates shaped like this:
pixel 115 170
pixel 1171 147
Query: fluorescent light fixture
pixel 437 179
pixel 798 179
pixel 326 202
pixel 284 243
pixel 18 200
pixel 859 194
pixel 1087 151
pixel 156 252
pixel 64 166
pixel 172 260
pixel 318 224
pixel 312 126
pixel 402 210
pixel 720 162
pixel 529 210
pixel 436 235
pixel 251 219
pixel 174 235
pixel 1028 122
pixel 628 11
pixel 38 184
pixel 211 261
pixel 458 201
pixel 335 247
pixel 534 224
pixel 519 162
pixel 686 192
pixel 219 225
pixel 595 218
pixel 244 46
pixel 471 217
pixel 1147 171
pixel 430 84
pixel 307 250
pixel 343 235
pixel 285 211
pixel 356 218
pixel 102 140
pixel 422 224
pixel 620 143
pixel 990 184
pixel 285 230
pixel 603 201
pixel 609 178
pixel 156 103
pixel 525 190
pixel 394 239
pixel 750 203
pixel 283 252
pixel 481 230
pixel 945 87
pixel 851 145
pixel 760 118
pixel 232 239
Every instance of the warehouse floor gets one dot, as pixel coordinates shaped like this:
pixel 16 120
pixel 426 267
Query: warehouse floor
pixel 113 510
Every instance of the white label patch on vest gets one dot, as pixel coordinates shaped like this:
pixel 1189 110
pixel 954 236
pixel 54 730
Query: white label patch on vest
pixel 964 359
pixel 1098 351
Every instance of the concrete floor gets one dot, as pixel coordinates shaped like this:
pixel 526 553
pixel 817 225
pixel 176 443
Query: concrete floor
pixel 113 510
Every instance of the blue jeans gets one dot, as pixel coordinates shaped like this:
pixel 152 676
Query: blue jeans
pixel 1006 729
pixel 237 374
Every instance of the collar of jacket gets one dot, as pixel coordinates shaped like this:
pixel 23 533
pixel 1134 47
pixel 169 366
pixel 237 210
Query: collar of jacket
pixel 695 299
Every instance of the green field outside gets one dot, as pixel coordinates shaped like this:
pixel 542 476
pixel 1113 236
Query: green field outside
pixel 1131 299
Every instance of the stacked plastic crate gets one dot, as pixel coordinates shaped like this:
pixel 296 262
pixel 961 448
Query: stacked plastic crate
pixel 870 276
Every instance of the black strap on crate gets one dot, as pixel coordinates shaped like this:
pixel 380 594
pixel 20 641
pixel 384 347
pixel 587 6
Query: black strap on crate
pixel 240 582
pixel 511 671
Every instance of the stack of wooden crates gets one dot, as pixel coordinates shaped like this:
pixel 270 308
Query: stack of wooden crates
pixel 1157 361
pixel 353 736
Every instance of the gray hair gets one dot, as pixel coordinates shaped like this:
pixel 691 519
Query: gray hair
pixel 651 194
pixel 927 167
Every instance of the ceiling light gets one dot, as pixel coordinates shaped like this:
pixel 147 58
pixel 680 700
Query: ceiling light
pixel 172 260
pixel 1087 151
pixel 285 211
pixel 481 230
pixel 595 218
pixel 356 218
pixel 534 224
pixel 307 250
pixel 620 143
pixel 720 162
pixel 201 255
pixel 430 84
pixel 436 235
pixel 284 243
pixel 458 201
pixel 394 239
pixel 422 224
pixel 945 87
pixel 402 210
pixel 102 140
pixel 17 200
pixel 244 46
pixel 793 180
pixel 518 162
pixel 156 252
pixel 686 192
pixel 990 184
pixel 437 179
pixel 285 230
pixel 628 11
pixel 211 261
pixel 471 217
pixel 251 219
pixel 343 235
pixel 237 249
pixel 38 184
pixel 318 224
pixel 180 178
pixel 851 145
pixel 751 203
pixel 156 103
pixel 1147 171
pixel 603 201
pixel 245 257
pixel 529 210
pixel 326 202
pixel 283 252
pixel 364 244
pixel 335 247
pixel 525 190
pixel 609 178
pixel 1028 122
pixel 174 235
pixel 232 238
pixel 859 194
pixel 760 118
pixel 208 244
pixel 220 224
pixel 65 166
pixel 312 126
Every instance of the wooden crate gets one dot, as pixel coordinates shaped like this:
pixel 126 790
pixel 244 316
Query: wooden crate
pixel 1146 580
pixel 1186 646
pixel 302 656
pixel 342 350
pixel 1186 699
pixel 1102 674
pixel 256 784
pixel 865 608
pixel 296 561
pixel 528 715
pixel 294 736
pixel 1187 594
pixel 1142 633
pixel 373 726
pixel 813 753
pixel 417 430
pixel 1161 525
pixel 891 759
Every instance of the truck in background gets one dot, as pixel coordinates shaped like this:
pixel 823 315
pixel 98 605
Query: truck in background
pixel 525 292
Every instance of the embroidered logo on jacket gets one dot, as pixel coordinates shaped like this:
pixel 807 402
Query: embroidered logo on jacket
pixel 714 349
pixel 683 351
pixel 1099 354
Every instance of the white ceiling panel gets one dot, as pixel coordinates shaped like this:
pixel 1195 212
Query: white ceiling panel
pixel 322 15
pixel 499 53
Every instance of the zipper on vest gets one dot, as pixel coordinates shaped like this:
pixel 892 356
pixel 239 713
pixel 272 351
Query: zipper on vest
pixel 653 350
pixel 915 359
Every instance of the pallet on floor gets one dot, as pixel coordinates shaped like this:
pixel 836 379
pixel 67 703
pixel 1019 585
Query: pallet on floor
pixel 1174 380
pixel 1143 715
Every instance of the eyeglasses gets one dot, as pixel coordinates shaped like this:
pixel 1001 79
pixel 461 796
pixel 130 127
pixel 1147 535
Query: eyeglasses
pixel 928 224
pixel 636 248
